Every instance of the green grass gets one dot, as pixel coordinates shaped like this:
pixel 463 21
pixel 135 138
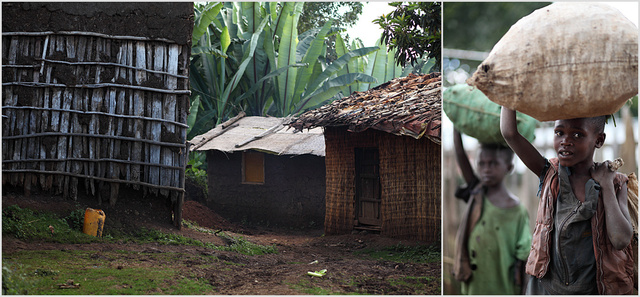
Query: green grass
pixel 404 253
pixel 40 272
pixel 13 282
pixel 238 243
pixel 307 286
pixel 44 270
pixel 418 285
pixel 27 224
pixel 109 272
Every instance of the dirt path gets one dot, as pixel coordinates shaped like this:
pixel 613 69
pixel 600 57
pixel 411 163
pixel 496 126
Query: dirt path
pixel 265 274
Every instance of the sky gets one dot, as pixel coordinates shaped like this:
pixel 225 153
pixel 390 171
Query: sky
pixel 628 9
pixel 365 28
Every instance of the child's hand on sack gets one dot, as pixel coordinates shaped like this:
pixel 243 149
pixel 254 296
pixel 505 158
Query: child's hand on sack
pixel 602 173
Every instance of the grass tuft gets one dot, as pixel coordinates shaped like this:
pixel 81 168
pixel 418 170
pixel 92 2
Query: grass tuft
pixel 26 224
pixel 404 253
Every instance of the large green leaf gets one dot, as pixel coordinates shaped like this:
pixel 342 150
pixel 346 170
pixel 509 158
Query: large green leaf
pixel 254 13
pixel 267 77
pixel 332 87
pixel 193 112
pixel 204 19
pixel 287 53
pixel 353 66
pixel 241 69
pixel 204 122
pixel 341 49
pixel 337 65
pixel 197 50
pixel 376 67
pixel 225 40
pixel 304 42
pixel 313 51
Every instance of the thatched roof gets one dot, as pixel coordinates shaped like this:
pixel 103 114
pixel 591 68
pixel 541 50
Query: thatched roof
pixel 403 106
pixel 267 134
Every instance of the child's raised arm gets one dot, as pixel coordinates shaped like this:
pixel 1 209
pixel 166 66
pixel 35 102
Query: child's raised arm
pixel 520 145
pixel 463 160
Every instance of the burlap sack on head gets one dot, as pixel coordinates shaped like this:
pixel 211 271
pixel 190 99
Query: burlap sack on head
pixel 565 60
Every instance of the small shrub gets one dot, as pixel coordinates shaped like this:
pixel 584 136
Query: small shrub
pixel 241 245
pixel 147 235
pixel 196 171
pixel 76 219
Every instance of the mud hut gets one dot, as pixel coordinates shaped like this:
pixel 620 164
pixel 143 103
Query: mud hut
pixel 95 96
pixel 383 158
pixel 261 172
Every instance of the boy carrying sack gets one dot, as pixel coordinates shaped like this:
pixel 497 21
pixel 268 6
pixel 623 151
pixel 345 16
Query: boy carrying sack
pixel 582 239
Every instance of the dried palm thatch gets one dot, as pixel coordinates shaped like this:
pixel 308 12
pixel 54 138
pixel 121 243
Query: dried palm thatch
pixel 408 105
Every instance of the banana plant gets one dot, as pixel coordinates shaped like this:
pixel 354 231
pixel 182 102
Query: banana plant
pixel 304 88
pixel 382 66
pixel 249 56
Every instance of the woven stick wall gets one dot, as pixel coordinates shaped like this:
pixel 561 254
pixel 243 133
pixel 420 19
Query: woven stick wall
pixel 409 177
pixel 341 178
pixel 92 108
pixel 410 184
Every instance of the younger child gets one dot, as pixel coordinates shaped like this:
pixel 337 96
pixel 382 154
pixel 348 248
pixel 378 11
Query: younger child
pixel 493 239
pixel 581 242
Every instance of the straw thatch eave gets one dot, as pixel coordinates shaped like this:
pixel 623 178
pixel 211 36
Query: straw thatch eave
pixel 409 106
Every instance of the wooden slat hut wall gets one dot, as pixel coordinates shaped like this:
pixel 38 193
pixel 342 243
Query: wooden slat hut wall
pixel 409 180
pixel 94 108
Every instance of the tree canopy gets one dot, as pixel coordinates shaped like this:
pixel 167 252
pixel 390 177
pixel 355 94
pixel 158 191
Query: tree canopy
pixel 340 14
pixel 316 14
pixel 413 30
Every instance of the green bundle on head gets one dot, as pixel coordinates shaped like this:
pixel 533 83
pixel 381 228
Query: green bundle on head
pixel 472 113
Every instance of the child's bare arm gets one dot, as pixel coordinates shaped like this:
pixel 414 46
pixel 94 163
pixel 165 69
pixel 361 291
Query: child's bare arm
pixel 462 158
pixel 520 145
pixel 616 211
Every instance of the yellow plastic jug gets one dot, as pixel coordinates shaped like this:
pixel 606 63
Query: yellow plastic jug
pixel 93 222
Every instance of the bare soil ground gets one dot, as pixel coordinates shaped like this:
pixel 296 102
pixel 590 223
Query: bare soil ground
pixel 264 274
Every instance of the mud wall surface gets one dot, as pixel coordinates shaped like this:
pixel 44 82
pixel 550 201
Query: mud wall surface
pixel 170 20
pixel 292 194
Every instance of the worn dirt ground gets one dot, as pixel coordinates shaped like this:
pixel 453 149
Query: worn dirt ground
pixel 265 274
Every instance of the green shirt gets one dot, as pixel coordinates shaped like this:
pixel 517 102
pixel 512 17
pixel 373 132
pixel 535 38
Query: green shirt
pixel 500 237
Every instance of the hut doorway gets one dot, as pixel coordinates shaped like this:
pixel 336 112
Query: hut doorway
pixel 368 199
